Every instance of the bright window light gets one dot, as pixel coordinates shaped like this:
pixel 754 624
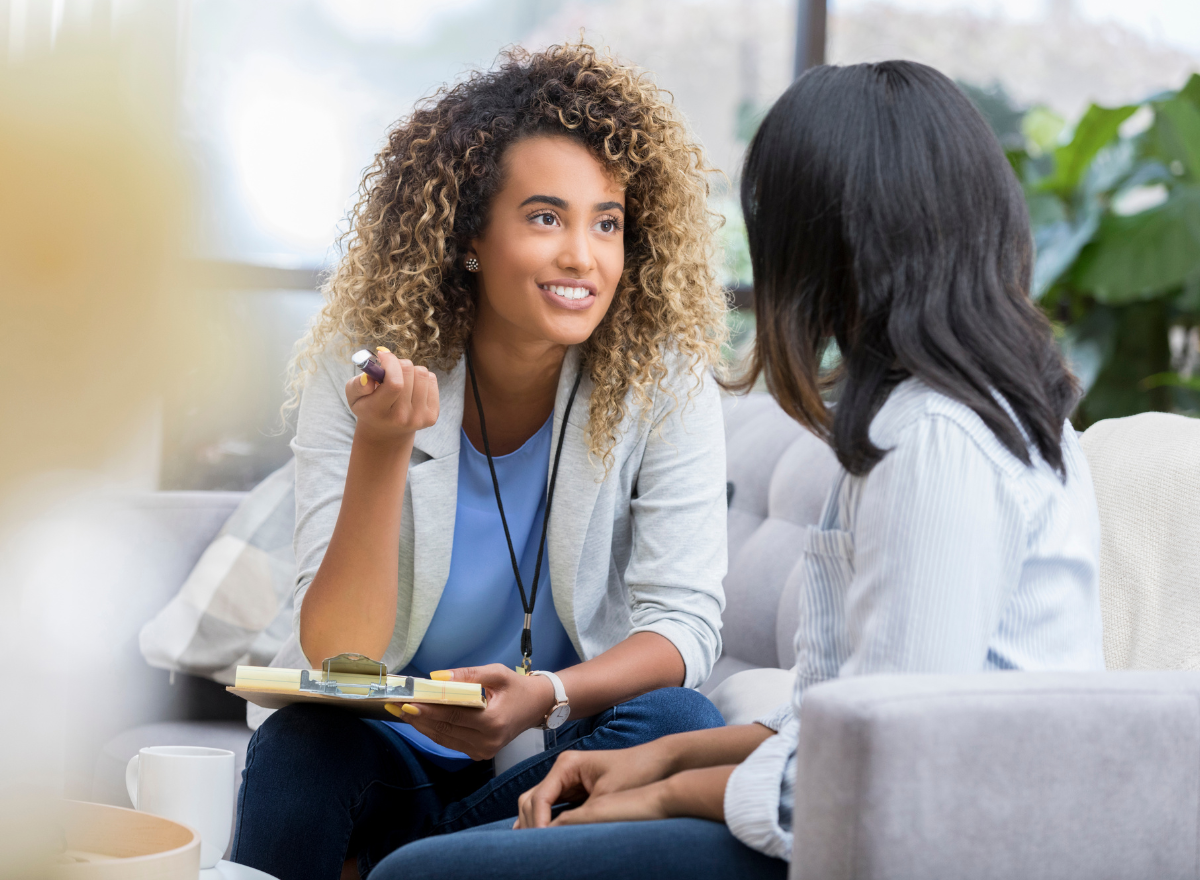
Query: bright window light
pixel 289 147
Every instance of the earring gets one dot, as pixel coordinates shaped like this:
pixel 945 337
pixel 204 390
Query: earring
pixel 472 264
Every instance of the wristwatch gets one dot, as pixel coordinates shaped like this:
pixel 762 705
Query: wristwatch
pixel 561 710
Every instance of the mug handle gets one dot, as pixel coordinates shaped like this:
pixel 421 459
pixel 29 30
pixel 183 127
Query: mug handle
pixel 131 779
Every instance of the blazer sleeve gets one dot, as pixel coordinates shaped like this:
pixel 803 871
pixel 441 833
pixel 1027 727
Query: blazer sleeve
pixel 679 543
pixel 324 434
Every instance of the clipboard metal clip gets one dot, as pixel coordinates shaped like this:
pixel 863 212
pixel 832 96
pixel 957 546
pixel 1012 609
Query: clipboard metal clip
pixel 361 678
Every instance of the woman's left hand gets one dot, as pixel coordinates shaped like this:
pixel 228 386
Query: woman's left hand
pixel 699 793
pixel 632 805
pixel 515 704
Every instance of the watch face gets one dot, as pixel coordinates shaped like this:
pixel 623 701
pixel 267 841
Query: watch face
pixel 558 715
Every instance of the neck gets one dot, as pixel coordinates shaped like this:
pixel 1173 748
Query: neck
pixel 510 370
pixel 518 381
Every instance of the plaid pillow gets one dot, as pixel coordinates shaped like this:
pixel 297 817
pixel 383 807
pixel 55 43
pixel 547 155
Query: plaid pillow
pixel 236 605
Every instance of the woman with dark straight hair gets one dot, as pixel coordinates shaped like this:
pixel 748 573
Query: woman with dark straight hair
pixel 962 535
pixel 896 230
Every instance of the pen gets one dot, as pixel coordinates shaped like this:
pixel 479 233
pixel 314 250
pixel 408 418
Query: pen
pixel 368 363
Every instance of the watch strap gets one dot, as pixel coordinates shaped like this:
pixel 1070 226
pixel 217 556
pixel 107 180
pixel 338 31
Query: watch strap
pixel 560 692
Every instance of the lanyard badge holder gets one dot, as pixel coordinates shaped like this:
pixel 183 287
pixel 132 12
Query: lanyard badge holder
pixel 527 603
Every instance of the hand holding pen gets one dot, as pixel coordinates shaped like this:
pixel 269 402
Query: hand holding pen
pixel 391 398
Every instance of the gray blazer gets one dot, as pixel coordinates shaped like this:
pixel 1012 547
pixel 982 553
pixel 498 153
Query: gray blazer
pixel 641 550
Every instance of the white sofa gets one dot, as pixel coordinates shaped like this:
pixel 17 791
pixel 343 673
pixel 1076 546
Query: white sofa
pixel 1001 775
pixel 778 476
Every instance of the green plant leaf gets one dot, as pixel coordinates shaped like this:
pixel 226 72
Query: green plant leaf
pixel 1041 127
pixel 1177 133
pixel 1045 209
pixel 1191 89
pixel 1097 128
pixel 1111 165
pixel 1085 358
pixel 1171 380
pixel 1058 244
pixel 1144 255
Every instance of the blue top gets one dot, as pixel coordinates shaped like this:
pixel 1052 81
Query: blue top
pixel 479 616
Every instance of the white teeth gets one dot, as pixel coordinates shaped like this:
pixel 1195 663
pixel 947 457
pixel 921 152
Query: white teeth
pixel 567 292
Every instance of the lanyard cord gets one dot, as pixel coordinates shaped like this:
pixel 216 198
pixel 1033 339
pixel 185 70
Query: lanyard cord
pixel 526 604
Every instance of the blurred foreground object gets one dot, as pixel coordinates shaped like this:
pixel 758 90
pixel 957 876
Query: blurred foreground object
pixel 95 324
pixel 89 234
pixel 103 842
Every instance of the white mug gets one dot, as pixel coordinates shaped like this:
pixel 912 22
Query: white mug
pixel 187 784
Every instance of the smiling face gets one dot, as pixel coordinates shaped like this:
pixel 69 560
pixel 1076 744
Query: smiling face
pixel 553 249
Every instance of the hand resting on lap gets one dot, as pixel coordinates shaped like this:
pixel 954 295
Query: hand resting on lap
pixel 680 775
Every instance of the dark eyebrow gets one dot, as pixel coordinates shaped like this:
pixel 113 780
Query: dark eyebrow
pixel 555 201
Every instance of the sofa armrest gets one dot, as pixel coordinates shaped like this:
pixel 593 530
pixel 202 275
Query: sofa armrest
pixel 1001 775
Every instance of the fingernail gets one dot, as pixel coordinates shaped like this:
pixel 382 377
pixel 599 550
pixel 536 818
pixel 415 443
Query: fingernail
pixel 442 675
pixel 383 348
pixel 362 380
pixel 409 709
pixel 392 709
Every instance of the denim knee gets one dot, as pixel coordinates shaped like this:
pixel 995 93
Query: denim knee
pixel 674 710
pixel 303 746
pixel 304 730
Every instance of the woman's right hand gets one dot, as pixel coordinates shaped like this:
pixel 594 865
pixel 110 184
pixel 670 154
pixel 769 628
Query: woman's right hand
pixel 578 775
pixel 393 410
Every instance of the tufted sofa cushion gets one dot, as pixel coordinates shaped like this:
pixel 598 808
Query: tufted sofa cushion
pixel 779 475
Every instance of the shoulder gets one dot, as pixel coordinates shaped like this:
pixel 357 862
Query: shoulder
pixel 685 405
pixel 918 421
pixel 685 381
pixel 679 393
pixel 332 360
pixel 324 385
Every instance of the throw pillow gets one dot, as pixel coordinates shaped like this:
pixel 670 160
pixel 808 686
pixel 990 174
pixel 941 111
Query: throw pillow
pixel 236 605
pixel 753 693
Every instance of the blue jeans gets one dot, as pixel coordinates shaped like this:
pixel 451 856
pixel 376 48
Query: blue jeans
pixel 320 783
pixel 687 849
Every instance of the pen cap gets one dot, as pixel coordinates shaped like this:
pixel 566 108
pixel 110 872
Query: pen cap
pixel 368 363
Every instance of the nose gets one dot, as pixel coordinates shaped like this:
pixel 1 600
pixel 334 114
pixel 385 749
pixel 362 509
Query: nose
pixel 576 254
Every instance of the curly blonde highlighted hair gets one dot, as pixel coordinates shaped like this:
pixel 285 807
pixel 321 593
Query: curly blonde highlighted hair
pixel 402 283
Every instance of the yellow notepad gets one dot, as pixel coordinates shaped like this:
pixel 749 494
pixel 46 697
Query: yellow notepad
pixel 352 682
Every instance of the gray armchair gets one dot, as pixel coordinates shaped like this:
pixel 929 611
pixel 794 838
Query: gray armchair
pixel 1005 775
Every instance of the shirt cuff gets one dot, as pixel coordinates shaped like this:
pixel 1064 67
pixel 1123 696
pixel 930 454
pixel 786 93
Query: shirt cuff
pixel 754 792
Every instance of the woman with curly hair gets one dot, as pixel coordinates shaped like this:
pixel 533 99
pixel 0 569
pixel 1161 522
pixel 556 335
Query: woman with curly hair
pixel 537 479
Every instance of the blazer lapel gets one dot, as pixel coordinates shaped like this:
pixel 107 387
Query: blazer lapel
pixel 575 493
pixel 433 488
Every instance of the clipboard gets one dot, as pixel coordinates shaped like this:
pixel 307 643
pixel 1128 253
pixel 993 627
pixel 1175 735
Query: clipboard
pixel 352 682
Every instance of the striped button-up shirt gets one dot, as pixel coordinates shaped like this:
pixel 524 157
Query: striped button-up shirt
pixel 950 556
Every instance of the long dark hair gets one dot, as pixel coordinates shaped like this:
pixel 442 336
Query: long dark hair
pixel 883 215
